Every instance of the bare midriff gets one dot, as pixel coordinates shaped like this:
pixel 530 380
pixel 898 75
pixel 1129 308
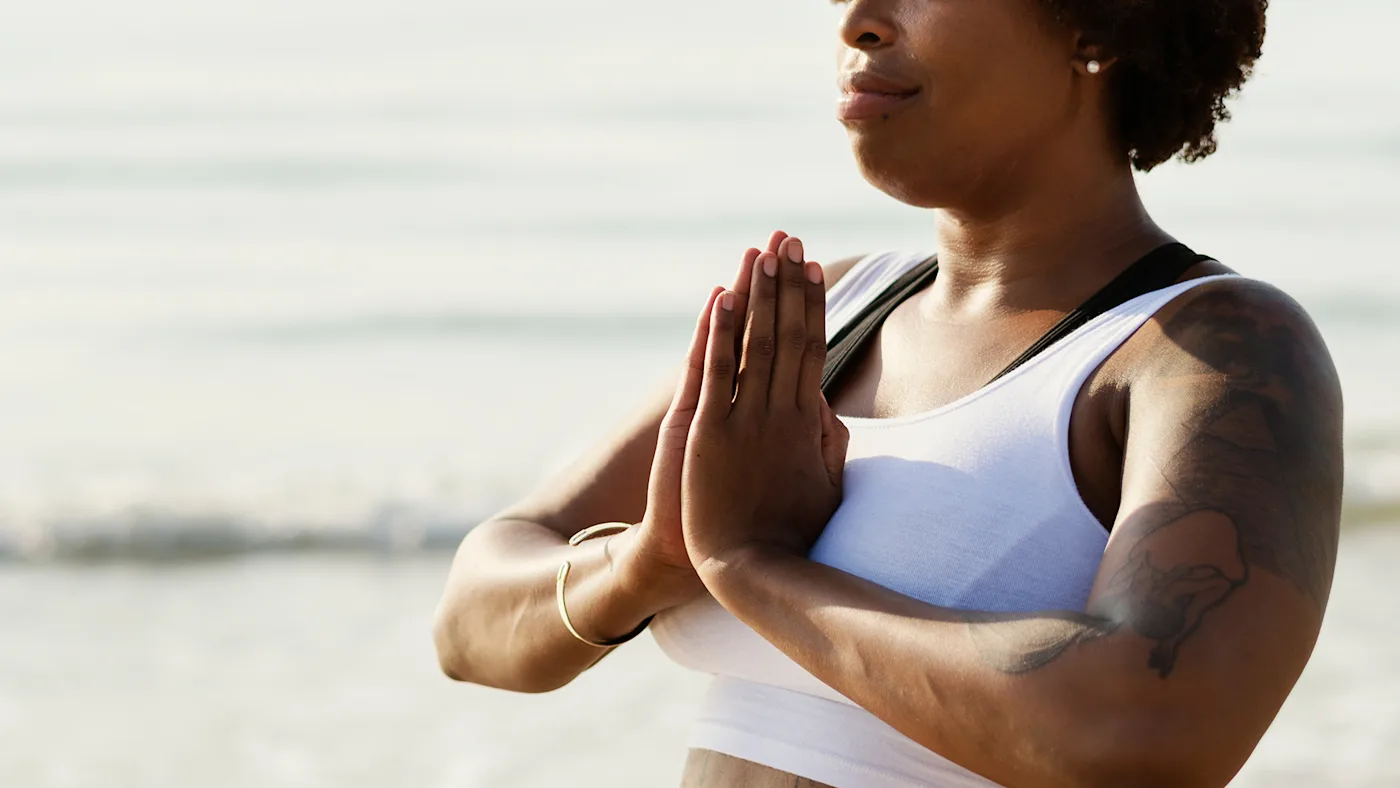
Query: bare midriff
pixel 710 769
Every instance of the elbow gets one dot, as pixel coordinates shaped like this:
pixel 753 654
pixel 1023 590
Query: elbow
pixel 455 660
pixel 1148 750
pixel 449 653
pixel 1153 772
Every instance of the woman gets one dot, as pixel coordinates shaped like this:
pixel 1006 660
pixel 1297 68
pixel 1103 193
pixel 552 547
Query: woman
pixel 1107 567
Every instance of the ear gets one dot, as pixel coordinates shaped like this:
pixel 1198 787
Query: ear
pixel 1088 51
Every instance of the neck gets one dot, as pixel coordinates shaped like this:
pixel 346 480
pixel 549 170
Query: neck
pixel 1053 238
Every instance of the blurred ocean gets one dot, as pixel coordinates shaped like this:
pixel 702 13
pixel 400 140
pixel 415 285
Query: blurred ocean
pixel 308 277
pixel 340 274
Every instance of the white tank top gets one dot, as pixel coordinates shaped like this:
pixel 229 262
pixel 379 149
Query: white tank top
pixel 969 506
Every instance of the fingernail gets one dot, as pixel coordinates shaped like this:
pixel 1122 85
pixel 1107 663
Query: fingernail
pixel 794 250
pixel 814 273
pixel 770 264
pixel 726 302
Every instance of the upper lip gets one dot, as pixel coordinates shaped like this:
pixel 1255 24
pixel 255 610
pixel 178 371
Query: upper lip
pixel 870 81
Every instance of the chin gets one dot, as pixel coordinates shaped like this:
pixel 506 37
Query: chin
pixel 914 175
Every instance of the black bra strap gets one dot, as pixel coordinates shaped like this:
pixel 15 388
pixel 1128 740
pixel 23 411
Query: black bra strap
pixel 852 336
pixel 1159 268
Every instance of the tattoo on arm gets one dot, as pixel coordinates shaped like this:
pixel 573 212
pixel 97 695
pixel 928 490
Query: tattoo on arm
pixel 1254 473
pixel 1014 643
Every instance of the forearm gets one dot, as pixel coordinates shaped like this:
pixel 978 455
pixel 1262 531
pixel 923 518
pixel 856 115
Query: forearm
pixel 1044 700
pixel 498 622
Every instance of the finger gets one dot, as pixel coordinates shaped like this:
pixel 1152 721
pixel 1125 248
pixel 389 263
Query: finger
pixel 666 463
pixel 743 279
pixel 809 388
pixel 792 324
pixel 716 390
pixel 756 366
pixel 742 303
pixel 742 282
pixel 688 389
pixel 775 239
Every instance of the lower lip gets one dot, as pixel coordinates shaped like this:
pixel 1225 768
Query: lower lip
pixel 864 106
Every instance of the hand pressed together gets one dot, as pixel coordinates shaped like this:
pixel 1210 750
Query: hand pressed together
pixel 653 556
pixel 764 453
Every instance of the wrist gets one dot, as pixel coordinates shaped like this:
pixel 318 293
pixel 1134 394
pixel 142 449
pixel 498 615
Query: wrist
pixel 642 576
pixel 731 565
pixel 595 605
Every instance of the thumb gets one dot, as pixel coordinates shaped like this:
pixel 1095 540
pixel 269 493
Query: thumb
pixel 835 441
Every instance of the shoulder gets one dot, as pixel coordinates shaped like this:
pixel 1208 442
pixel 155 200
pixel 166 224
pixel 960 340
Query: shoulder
pixel 833 272
pixel 853 276
pixel 1235 406
pixel 1237 338
pixel 1241 329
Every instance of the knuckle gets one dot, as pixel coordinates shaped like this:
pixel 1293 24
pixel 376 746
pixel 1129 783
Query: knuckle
pixel 794 276
pixel 795 337
pixel 721 367
pixel 816 348
pixel 677 425
pixel 762 346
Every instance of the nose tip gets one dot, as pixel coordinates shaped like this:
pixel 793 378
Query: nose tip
pixel 866 27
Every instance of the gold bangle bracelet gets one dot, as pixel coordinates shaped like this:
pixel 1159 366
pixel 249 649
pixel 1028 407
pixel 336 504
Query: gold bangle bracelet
pixel 576 539
pixel 597 530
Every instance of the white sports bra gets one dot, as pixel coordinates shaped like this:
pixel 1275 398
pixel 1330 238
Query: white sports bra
pixel 927 513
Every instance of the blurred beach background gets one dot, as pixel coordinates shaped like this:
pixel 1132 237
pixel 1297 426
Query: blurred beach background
pixel 294 293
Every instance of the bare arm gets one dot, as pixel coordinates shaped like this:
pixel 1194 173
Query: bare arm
pixel 497 623
pixel 1206 608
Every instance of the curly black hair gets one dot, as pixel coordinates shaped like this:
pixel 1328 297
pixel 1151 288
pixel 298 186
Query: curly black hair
pixel 1177 61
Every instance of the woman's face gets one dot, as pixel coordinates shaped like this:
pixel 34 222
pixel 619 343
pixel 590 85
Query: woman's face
pixel 995 85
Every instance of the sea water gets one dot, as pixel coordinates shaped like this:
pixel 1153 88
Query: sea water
pixel 310 277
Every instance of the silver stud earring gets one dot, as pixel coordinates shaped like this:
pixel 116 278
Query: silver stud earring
pixel 1094 67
